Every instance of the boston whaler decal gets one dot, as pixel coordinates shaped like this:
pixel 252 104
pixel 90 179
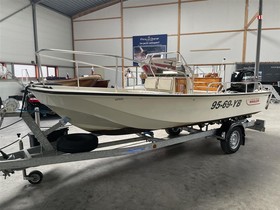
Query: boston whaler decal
pixel 253 101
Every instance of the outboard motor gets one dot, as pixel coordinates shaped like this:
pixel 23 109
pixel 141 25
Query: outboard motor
pixel 239 77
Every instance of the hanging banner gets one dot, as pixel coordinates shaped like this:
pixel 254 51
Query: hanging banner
pixel 143 45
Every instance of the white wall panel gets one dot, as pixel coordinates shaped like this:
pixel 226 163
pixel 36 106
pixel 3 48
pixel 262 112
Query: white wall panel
pixel 54 31
pixel 204 16
pixel 253 8
pixel 251 46
pixel 109 75
pixel 109 28
pixel 17 38
pixel 233 41
pixel 172 43
pixel 212 15
pixel 100 46
pixel 128 53
pixel 270 50
pixel 62 72
pixel 151 20
pixel 271 14
pixel 270 42
pixel 16 33
pixel 8 7
pixel 97 29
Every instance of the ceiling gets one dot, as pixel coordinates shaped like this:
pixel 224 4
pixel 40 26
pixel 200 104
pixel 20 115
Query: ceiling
pixel 75 8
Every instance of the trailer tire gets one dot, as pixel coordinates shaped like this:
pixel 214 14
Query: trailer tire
pixel 173 131
pixel 77 142
pixel 35 177
pixel 233 139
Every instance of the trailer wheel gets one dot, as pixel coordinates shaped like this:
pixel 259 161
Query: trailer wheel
pixel 35 177
pixel 233 139
pixel 173 131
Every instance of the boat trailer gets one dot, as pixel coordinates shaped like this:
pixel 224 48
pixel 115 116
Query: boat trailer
pixel 231 135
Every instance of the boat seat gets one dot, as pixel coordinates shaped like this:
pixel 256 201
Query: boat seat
pixel 165 84
pixel 151 83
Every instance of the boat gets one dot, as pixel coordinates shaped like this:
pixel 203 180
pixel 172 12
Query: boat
pixel 163 102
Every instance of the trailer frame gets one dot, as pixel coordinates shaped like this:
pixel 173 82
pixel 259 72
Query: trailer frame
pixel 47 154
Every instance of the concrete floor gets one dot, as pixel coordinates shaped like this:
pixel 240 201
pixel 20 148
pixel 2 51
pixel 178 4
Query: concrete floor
pixel 193 175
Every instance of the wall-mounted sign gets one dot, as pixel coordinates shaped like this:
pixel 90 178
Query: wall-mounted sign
pixel 143 45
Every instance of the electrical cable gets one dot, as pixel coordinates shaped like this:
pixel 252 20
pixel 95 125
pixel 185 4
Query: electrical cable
pixel 12 142
pixel 10 124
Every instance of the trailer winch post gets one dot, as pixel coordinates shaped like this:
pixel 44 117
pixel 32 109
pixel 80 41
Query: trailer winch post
pixel 21 148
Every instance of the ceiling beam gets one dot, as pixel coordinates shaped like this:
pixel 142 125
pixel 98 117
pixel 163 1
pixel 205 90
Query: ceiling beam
pixel 93 9
pixel 35 1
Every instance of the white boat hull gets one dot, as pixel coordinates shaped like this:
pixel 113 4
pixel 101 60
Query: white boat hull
pixel 108 110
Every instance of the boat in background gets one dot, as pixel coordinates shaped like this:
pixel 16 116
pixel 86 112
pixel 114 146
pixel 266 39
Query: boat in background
pixel 94 80
pixel 32 102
